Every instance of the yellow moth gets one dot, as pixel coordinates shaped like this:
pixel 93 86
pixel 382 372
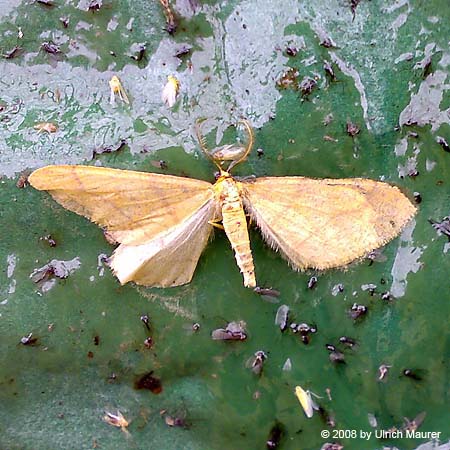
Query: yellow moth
pixel 170 91
pixel 305 399
pixel 164 222
pixel 116 88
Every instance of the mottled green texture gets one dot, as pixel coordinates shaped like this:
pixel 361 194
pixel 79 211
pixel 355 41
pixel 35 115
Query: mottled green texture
pixel 53 395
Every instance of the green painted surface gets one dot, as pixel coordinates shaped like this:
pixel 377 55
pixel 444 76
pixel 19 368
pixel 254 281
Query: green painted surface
pixel 53 395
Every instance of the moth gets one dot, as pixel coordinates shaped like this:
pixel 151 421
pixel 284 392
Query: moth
pixel 164 222
pixel 306 400
pixel 116 88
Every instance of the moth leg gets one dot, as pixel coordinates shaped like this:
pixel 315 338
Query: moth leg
pixel 216 223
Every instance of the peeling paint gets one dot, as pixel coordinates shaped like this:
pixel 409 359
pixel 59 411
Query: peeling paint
pixel 406 262
pixel 11 261
pixel 424 107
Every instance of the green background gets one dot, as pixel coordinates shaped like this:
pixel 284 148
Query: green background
pixel 53 395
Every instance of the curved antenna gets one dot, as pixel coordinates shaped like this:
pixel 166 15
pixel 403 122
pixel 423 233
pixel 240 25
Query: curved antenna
pixel 202 142
pixel 249 145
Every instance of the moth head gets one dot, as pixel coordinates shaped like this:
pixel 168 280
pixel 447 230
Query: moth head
pixel 234 154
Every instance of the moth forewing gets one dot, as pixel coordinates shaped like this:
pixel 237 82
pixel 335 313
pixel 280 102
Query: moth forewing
pixel 325 223
pixel 169 259
pixel 133 206
pixel 161 220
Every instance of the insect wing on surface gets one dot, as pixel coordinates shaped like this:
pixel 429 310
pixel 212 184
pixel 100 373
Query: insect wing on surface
pixel 116 88
pixel 281 317
pixel 234 331
pixel 305 399
pixel 164 222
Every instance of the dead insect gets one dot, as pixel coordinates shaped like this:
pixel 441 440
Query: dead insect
pixel 327 42
pixel 116 420
pixel 54 268
pixel 331 446
pixel 174 421
pixel 13 53
pixel 29 340
pixel 256 362
pixel 47 3
pixel 116 88
pixel 161 164
pixel 146 321
pixel 288 79
pixel 281 317
pixel 95 5
pixel 376 256
pixel 234 331
pixel 260 152
pixel 353 5
pixel 304 330
pixel 442 227
pixel 335 355
pixel 51 47
pixel 22 180
pixel 373 422
pixel 191 328
pixel 65 21
pixel 412 425
pixel 183 51
pixel 171 21
pixel 383 371
pixel 328 119
pixel 275 436
pixel 327 417
pixel 417 197
pixel 50 241
pixel 269 294
pixel 138 51
pixel 47 127
pixel 426 66
pixel 357 311
pixel 386 296
pixel 349 342
pixel 109 148
pixel 148 343
pixel 148 381
pixel 287 366
pixel 307 85
pixel 329 70
pixel 312 282
pixel 352 129
pixel 443 143
pixel 96 339
pixel 291 51
pixel 306 401
pixel 415 375
pixel 337 289
pixel 370 288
